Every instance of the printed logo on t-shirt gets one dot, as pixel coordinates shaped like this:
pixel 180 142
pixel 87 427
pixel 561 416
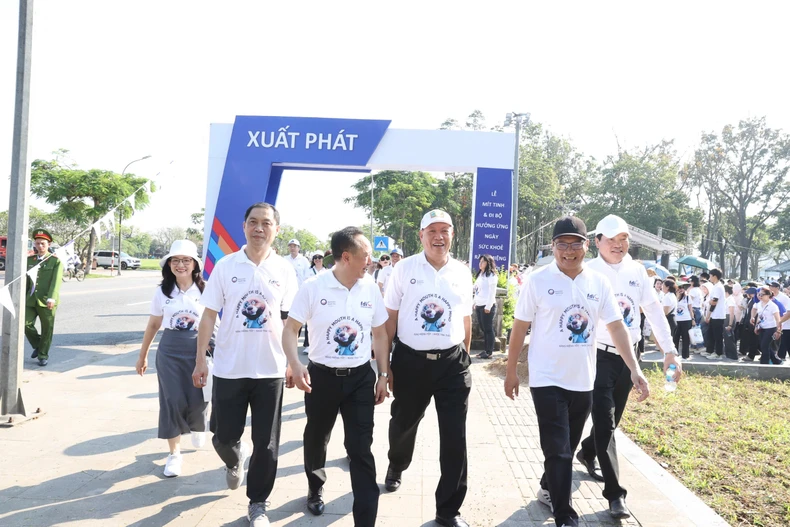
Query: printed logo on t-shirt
pixel 434 312
pixel 554 292
pixel 251 310
pixel 347 333
pixel 367 304
pixel 237 280
pixel 679 311
pixel 184 320
pixel 634 283
pixel 626 304
pixel 575 321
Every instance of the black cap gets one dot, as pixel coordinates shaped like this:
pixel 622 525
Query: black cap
pixel 570 226
pixel 775 284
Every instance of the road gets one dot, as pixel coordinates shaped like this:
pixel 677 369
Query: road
pixel 97 318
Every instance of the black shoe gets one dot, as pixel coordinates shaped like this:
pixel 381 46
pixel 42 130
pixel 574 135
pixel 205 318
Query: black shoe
pixel 592 467
pixel 456 521
pixel 34 355
pixel 392 481
pixel 315 503
pixel 484 355
pixel 42 362
pixel 618 509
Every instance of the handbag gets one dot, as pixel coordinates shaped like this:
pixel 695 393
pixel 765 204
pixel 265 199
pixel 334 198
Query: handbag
pixel 695 335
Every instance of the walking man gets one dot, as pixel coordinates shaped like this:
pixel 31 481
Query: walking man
pixel 342 307
pixel 782 298
pixel 564 303
pixel 633 291
pixel 718 313
pixel 386 270
pixel 43 296
pixel 429 300
pixel 251 287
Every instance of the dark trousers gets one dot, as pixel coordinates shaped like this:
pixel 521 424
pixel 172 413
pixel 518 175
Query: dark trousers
pixel 784 345
pixel 698 321
pixel 486 321
pixel 353 396
pixel 682 333
pixel 715 340
pixel 640 347
pixel 730 346
pixel 610 395
pixel 447 379
pixel 306 336
pixel 671 321
pixel 230 399
pixel 767 355
pixel 561 415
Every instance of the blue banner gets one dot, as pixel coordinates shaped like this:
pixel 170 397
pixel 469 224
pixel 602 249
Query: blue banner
pixel 492 210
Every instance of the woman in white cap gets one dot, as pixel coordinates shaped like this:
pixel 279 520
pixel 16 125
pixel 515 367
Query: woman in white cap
pixel 176 308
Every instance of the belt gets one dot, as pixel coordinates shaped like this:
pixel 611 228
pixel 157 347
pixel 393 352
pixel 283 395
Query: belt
pixel 340 372
pixel 429 355
pixel 607 347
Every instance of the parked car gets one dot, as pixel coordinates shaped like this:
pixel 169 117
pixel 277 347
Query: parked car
pixel 108 259
pixel 3 249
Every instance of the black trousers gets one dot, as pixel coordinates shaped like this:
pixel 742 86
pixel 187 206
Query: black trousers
pixel 486 321
pixel 768 356
pixel 561 415
pixel 353 396
pixel 306 336
pixel 610 395
pixel 448 380
pixel 682 333
pixel 672 325
pixel 715 340
pixel 230 399
pixel 640 347
pixel 784 346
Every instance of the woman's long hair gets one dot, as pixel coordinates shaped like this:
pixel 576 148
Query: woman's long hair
pixel 490 265
pixel 169 279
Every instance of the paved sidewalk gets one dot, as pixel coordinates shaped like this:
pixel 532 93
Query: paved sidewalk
pixel 93 459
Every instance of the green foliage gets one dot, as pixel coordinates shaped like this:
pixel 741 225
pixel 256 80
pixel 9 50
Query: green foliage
pixel 509 304
pixel 308 241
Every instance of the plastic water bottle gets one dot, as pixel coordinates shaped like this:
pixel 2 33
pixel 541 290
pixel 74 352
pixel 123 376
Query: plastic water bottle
pixel 671 385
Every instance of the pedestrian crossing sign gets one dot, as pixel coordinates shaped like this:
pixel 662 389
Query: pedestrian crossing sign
pixel 381 243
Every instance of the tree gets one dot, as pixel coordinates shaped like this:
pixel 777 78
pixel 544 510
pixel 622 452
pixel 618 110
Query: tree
pixel 164 238
pixel 86 196
pixel 308 242
pixel 196 233
pixel 744 171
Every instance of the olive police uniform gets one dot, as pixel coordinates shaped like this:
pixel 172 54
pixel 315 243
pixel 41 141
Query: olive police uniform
pixel 47 287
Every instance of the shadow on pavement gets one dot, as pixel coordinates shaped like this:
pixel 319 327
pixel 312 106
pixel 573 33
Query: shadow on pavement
pixel 92 501
pixel 109 374
pixel 111 443
pixel 144 395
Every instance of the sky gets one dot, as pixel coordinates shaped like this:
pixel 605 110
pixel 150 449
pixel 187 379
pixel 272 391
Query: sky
pixel 114 81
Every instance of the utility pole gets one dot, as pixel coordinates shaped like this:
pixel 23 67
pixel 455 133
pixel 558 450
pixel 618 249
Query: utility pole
pixel 11 357
pixel 120 216
pixel 518 119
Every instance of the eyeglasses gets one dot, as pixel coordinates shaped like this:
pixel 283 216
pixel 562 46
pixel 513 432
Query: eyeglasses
pixel 384 258
pixel 318 257
pixel 562 246
pixel 180 261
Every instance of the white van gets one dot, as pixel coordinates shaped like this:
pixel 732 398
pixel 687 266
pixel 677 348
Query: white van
pixel 108 259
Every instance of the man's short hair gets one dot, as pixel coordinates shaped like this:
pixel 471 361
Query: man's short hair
pixel 263 205
pixel 716 272
pixel 345 240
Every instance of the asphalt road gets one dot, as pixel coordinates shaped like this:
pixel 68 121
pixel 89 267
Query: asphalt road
pixel 97 318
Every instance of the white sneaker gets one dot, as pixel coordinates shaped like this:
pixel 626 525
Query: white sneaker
pixel 234 476
pixel 173 465
pixel 256 513
pixel 545 498
pixel 198 439
pixel 713 356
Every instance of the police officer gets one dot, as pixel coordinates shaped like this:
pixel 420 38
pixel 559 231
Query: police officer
pixel 633 290
pixel 251 287
pixel 429 300
pixel 341 306
pixel 564 303
pixel 42 299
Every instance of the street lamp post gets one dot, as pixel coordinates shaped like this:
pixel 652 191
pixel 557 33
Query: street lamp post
pixel 372 184
pixel 518 119
pixel 120 216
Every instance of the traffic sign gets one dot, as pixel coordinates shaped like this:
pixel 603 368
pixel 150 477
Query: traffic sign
pixel 381 243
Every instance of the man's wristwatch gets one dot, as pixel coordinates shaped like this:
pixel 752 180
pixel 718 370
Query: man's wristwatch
pixel 384 374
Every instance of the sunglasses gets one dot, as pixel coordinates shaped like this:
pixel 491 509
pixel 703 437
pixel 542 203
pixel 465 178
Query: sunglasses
pixel 318 257
pixel 384 258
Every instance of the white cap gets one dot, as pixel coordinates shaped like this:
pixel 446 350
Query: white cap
pixel 295 242
pixel 435 216
pixel 611 226
pixel 182 248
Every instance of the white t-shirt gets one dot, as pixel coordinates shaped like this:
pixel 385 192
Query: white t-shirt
pixel 785 301
pixel 301 266
pixel 384 276
pixel 565 314
pixel 683 309
pixel 696 297
pixel 181 312
pixel 765 315
pixel 720 311
pixel 249 341
pixel 730 303
pixel 431 304
pixel 671 301
pixel 311 272
pixel 340 319
pixel 485 290
pixel 632 290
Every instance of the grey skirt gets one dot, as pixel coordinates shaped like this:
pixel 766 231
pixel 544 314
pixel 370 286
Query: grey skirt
pixel 181 405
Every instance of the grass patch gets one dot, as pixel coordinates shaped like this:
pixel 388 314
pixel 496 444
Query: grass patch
pixel 728 440
pixel 151 264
